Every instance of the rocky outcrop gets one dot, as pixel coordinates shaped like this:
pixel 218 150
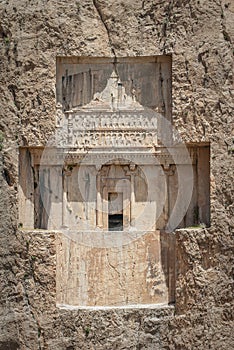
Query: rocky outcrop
pixel 199 36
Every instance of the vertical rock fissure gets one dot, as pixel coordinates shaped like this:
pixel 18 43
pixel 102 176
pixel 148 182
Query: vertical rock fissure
pixel 97 7
pixel 167 20
pixel 224 29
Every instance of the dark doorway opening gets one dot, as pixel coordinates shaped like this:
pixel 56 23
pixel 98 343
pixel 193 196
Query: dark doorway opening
pixel 115 222
pixel 115 211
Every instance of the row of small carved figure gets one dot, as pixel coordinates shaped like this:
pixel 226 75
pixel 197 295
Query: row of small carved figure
pixel 112 138
pixel 136 121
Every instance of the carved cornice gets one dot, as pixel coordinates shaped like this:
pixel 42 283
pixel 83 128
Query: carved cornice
pixel 141 156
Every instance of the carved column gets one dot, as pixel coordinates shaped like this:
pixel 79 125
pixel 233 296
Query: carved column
pixel 99 198
pixel 168 171
pixel 65 172
pixel 59 115
pixel 132 168
pixel 70 128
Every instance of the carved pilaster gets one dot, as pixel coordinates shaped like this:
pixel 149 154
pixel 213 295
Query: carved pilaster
pixel 59 115
pixel 169 170
pixel 67 171
pixel 70 129
pixel 99 201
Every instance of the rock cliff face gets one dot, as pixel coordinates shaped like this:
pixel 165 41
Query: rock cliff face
pixel 199 36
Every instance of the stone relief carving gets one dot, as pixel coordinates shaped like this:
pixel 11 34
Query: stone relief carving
pixel 111 119
pixel 159 156
pixel 59 115
pixel 114 97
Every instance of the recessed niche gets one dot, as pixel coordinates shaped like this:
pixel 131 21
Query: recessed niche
pixel 112 186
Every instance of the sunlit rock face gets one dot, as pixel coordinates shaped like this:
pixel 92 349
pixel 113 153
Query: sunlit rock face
pixel 113 184
pixel 46 52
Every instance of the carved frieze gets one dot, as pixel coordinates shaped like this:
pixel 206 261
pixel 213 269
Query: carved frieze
pixel 111 119
pixel 110 130
pixel 158 156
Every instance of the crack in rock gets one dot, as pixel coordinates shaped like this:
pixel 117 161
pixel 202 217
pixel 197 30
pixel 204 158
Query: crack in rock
pixel 97 7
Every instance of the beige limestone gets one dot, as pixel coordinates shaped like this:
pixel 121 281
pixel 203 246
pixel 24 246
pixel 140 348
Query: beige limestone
pixel 199 35
pixel 128 274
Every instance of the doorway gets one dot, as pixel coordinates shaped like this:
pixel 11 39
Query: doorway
pixel 115 211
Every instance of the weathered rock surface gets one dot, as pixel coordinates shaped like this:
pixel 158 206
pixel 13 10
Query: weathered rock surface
pixel 199 35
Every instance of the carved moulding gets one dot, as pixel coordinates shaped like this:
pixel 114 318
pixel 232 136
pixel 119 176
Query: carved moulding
pixel 141 155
